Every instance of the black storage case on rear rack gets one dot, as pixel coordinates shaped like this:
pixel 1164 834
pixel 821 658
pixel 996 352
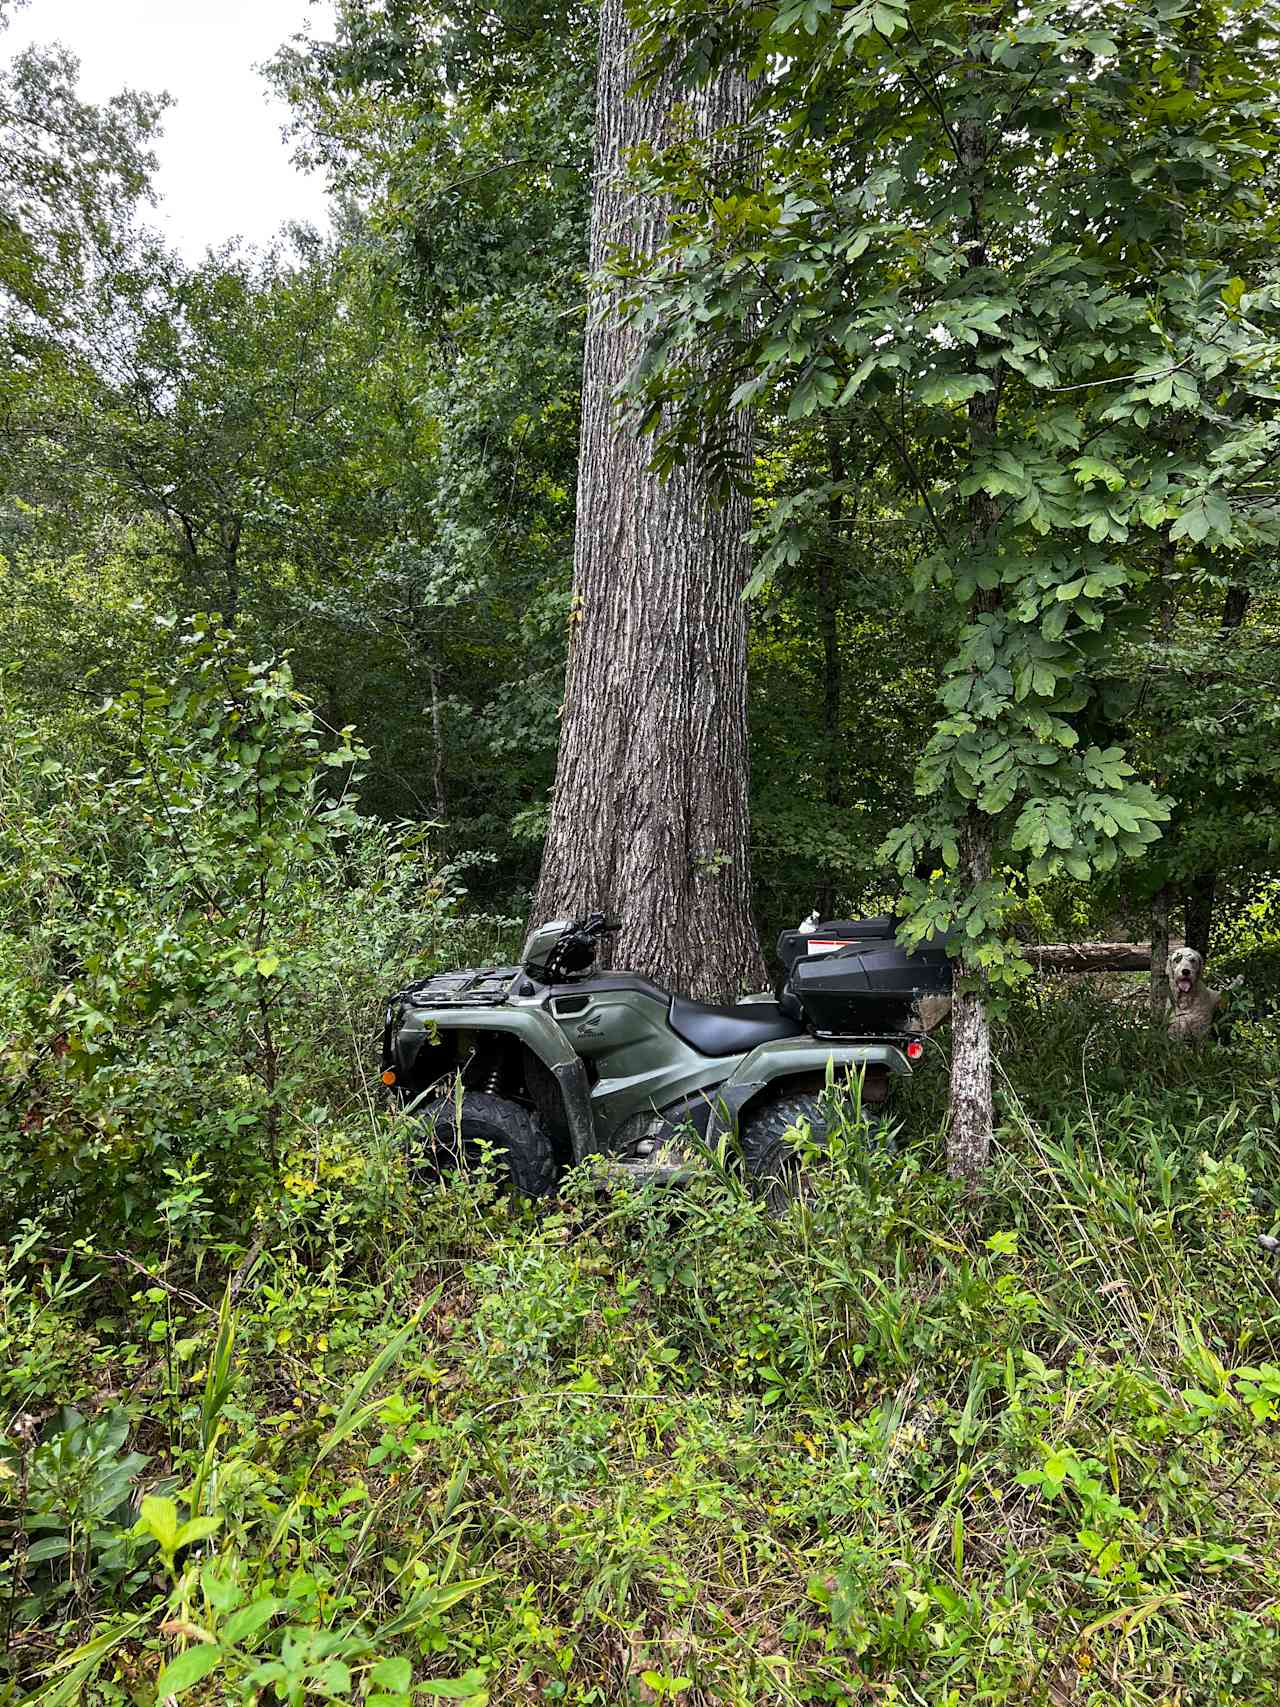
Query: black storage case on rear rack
pixel 867 986
pixel 832 934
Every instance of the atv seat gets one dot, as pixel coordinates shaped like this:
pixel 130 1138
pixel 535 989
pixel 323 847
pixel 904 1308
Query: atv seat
pixel 729 1031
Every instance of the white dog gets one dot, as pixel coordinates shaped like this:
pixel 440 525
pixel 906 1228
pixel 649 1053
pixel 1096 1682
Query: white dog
pixel 1192 1003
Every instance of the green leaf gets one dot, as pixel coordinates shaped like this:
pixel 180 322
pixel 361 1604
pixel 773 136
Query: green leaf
pixel 331 1677
pixel 1090 468
pixel 953 387
pixel 462 1688
pixel 159 1519
pixel 1043 679
pixel 196 1529
pixel 858 378
pixel 268 964
pixel 222 1592
pixel 55 1547
pixel 393 1674
pixel 247 1622
pixel 1055 623
pixel 189 1667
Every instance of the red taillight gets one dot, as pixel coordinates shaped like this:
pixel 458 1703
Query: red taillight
pixel 915 1049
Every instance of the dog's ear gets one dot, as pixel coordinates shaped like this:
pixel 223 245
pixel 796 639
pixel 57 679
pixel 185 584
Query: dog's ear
pixel 1168 964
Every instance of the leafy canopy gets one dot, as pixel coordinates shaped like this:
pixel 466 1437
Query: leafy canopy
pixel 1016 238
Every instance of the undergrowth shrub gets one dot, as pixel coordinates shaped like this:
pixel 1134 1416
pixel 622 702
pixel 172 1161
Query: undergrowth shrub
pixel 199 928
pixel 892 1444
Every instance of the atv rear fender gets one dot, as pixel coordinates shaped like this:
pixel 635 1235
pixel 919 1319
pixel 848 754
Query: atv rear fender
pixel 772 1064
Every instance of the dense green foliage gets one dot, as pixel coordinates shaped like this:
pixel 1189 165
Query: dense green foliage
pixel 276 1413
pixel 641 1447
pixel 285 546
pixel 1007 244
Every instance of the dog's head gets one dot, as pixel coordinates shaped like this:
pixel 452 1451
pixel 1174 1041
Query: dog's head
pixel 1184 968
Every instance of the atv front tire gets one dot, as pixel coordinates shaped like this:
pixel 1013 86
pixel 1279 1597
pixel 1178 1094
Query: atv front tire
pixel 520 1145
pixel 767 1137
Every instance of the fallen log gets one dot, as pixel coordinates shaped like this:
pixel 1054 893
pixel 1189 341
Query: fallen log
pixel 1058 957
pixel 1091 956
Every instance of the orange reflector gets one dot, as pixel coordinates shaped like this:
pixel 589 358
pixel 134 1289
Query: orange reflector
pixel 388 1078
pixel 915 1049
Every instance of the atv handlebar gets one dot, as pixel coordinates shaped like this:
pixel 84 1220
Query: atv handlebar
pixel 575 950
pixel 599 924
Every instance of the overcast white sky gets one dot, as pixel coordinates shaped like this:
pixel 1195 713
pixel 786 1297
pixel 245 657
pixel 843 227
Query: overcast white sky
pixel 224 169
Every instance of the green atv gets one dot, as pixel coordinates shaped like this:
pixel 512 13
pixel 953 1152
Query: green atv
pixel 550 1061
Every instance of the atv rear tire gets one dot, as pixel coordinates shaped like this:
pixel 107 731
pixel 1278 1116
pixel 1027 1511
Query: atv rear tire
pixel 773 1164
pixel 521 1146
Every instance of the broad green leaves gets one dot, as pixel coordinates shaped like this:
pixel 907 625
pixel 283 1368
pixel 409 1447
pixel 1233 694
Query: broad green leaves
pixel 189 1668
pixel 159 1520
pixel 1205 515
pixel 1047 298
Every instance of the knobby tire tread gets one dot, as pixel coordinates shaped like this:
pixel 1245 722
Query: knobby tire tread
pixel 769 1158
pixel 529 1149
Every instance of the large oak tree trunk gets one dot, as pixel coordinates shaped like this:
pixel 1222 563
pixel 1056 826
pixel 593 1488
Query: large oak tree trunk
pixel 649 818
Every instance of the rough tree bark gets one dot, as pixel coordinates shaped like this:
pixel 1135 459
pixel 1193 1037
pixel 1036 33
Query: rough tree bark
pixel 437 746
pixel 1197 911
pixel 649 817
pixel 972 1110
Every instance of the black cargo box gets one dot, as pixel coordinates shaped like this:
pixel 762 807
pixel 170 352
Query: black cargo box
pixel 832 934
pixel 868 987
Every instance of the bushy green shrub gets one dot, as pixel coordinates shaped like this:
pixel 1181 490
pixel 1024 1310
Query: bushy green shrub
pixel 199 929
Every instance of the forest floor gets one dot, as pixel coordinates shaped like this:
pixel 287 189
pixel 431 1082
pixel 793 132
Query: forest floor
pixel 895 1446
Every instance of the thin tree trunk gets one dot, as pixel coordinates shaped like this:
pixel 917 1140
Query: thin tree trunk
pixel 1235 607
pixel 1159 954
pixel 828 601
pixel 437 746
pixel 1201 891
pixel 972 1109
pixel 1197 911
pixel 230 535
pixel 649 817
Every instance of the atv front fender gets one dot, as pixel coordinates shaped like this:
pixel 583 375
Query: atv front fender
pixel 774 1063
pixel 537 1031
